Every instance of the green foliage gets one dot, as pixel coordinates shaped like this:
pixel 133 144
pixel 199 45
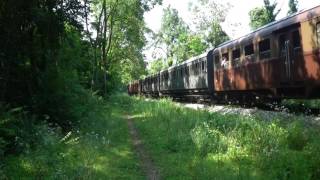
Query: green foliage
pixel 216 35
pixel 172 33
pixel 208 15
pixel 307 103
pixel 48 61
pixel 190 46
pixel 293 6
pixel 193 144
pixel 208 140
pixel 99 148
pixel 297 138
pixel 261 16
pixel 258 17
pixel 179 41
pixel 196 45
pixel 156 66
pixel 124 40
pixel 30 33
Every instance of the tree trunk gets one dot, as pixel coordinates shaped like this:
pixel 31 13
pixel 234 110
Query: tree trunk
pixel 104 58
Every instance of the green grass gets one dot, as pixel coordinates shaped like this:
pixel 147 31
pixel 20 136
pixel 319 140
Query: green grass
pixel 312 103
pixel 99 148
pixel 184 143
pixel 190 144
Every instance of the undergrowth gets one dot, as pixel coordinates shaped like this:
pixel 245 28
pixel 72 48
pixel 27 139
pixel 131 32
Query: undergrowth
pixel 184 143
pixel 96 147
pixel 312 103
pixel 190 144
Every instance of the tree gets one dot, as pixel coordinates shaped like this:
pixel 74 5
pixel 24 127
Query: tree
pixel 119 41
pixel 172 28
pixel 261 16
pixel 208 17
pixel 293 6
pixel 176 39
pixel 47 59
pixel 156 66
pixel 258 17
pixel 31 33
pixel 216 35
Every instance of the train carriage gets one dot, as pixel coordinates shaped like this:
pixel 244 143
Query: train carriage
pixel 150 85
pixel 189 78
pixel 134 88
pixel 278 60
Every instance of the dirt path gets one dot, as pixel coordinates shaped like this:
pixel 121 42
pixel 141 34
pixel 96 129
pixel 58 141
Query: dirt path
pixel 148 167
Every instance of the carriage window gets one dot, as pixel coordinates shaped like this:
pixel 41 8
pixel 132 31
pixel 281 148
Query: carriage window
pixel 296 39
pixel 264 49
pixel 202 65
pixel 236 54
pixel 225 60
pixel 282 46
pixel 217 62
pixel 196 69
pixel 181 71
pixel 225 57
pixel 249 50
pixel 216 59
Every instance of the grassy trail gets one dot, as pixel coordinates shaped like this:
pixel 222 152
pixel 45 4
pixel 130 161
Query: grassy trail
pixel 134 138
pixel 192 144
pixel 100 148
pixel 148 166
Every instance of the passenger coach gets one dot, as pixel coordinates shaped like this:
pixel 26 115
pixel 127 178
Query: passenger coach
pixel 280 59
pixel 189 78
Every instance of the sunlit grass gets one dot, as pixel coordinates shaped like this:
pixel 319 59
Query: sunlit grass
pixel 190 144
pixel 99 148
pixel 184 144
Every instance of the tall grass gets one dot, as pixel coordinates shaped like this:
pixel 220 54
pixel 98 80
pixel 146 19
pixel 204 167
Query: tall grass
pixel 98 147
pixel 190 144
pixel 312 103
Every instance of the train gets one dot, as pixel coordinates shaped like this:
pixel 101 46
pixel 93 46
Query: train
pixel 279 60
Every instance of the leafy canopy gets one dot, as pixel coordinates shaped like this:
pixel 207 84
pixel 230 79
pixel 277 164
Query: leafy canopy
pixel 261 16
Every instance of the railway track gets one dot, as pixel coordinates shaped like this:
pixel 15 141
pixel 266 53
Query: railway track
pixel 255 112
pixel 297 110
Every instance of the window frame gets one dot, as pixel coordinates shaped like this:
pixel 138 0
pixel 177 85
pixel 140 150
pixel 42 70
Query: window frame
pixel 265 52
pixel 318 33
pixel 217 63
pixel 238 51
pixel 227 63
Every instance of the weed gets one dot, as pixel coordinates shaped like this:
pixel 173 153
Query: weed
pixel 189 144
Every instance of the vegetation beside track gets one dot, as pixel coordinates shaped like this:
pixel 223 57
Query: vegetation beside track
pixel 312 103
pixel 190 144
pixel 184 144
pixel 98 147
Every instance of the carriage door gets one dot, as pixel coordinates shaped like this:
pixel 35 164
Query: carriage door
pixel 285 56
pixel 290 54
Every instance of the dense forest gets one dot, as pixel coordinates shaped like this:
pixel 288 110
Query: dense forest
pixel 57 57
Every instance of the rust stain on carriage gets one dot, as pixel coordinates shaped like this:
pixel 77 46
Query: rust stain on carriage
pixel 299 68
pixel 267 74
